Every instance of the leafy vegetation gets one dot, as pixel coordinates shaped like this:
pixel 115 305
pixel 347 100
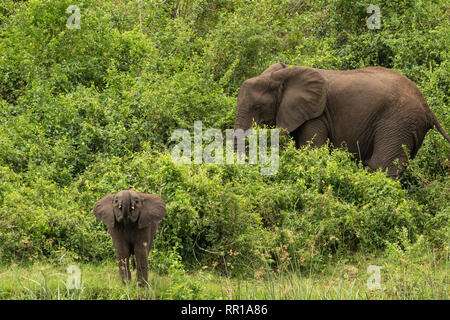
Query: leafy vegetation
pixel 90 111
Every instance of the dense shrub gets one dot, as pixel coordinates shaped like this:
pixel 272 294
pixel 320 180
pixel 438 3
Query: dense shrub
pixel 89 111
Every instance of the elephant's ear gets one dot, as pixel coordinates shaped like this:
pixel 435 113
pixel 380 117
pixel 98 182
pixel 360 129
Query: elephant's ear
pixel 303 97
pixel 103 210
pixel 153 210
pixel 273 68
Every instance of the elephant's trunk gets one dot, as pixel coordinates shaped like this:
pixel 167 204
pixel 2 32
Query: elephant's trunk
pixel 243 122
pixel 126 206
pixel 243 119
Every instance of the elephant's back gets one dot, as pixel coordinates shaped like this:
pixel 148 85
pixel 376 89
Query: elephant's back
pixel 367 88
pixel 405 92
pixel 359 98
pixel 383 85
pixel 363 74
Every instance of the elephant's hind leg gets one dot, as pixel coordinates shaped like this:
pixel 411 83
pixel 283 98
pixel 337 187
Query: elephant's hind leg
pixel 388 150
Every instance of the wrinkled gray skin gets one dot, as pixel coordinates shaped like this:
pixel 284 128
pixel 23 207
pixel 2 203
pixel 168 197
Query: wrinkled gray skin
pixel 132 219
pixel 374 111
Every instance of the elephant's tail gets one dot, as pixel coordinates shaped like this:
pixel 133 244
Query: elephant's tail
pixel 133 262
pixel 439 128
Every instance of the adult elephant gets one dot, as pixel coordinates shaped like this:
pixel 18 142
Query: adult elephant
pixel 374 111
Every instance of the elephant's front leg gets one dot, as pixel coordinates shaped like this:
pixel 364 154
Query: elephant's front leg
pixel 141 254
pixel 122 255
pixel 124 270
pixel 142 245
pixel 313 130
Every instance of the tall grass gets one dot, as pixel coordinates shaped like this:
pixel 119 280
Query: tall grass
pixel 342 281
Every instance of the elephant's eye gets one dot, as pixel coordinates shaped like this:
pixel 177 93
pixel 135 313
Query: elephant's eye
pixel 258 109
pixel 137 201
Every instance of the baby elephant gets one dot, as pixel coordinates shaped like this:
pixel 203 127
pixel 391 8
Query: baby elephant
pixel 132 219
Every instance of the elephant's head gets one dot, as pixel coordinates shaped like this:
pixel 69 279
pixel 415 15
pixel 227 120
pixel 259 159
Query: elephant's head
pixel 130 207
pixel 281 96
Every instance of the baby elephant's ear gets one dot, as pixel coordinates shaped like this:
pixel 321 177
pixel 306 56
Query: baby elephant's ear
pixel 103 210
pixel 153 209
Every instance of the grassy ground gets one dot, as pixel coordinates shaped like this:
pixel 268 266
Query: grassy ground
pixel 342 281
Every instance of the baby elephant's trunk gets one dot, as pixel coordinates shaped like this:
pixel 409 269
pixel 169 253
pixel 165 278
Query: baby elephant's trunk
pixel 126 206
